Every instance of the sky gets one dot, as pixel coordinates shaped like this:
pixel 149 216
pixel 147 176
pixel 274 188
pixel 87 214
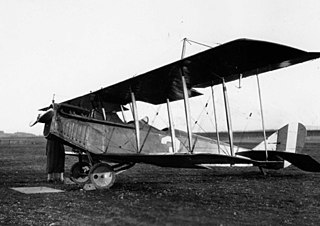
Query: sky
pixel 71 47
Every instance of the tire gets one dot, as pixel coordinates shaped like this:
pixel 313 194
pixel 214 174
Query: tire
pixel 80 172
pixel 102 176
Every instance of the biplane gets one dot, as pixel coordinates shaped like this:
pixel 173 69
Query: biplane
pixel 107 145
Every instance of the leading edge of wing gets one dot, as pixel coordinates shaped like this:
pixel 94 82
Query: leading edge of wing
pixel 176 160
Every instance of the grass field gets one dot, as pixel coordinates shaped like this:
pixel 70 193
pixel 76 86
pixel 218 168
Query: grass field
pixel 148 195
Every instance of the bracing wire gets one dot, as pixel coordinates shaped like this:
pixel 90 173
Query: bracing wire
pixel 129 138
pixel 244 130
pixel 201 44
pixel 200 115
pixel 155 115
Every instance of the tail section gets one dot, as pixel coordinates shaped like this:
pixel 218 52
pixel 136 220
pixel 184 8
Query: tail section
pixel 290 138
pixel 284 146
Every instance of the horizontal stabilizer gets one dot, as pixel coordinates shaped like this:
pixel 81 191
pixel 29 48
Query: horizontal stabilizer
pixel 302 161
pixel 260 155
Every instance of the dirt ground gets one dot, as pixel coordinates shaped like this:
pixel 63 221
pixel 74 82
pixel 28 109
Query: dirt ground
pixel 148 195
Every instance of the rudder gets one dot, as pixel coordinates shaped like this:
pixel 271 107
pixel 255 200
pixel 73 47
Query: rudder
pixel 290 138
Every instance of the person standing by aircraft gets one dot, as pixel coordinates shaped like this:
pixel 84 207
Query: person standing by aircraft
pixel 54 149
pixel 55 160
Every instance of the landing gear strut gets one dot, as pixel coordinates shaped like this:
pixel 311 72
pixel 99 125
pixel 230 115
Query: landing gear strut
pixel 262 171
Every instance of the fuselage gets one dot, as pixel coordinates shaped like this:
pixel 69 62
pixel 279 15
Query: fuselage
pixel 104 137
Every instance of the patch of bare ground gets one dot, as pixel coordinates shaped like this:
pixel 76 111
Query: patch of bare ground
pixel 148 195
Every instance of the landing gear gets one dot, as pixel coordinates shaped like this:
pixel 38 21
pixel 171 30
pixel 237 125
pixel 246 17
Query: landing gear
pixel 80 172
pixel 102 176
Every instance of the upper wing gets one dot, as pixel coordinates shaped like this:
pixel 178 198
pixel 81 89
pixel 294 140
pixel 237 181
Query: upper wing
pixel 242 57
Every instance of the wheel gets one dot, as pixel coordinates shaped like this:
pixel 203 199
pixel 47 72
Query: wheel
pixel 80 172
pixel 102 176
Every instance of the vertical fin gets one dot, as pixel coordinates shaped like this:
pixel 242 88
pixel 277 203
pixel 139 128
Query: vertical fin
pixel 287 144
pixel 302 134
pixel 290 138
pixel 271 143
